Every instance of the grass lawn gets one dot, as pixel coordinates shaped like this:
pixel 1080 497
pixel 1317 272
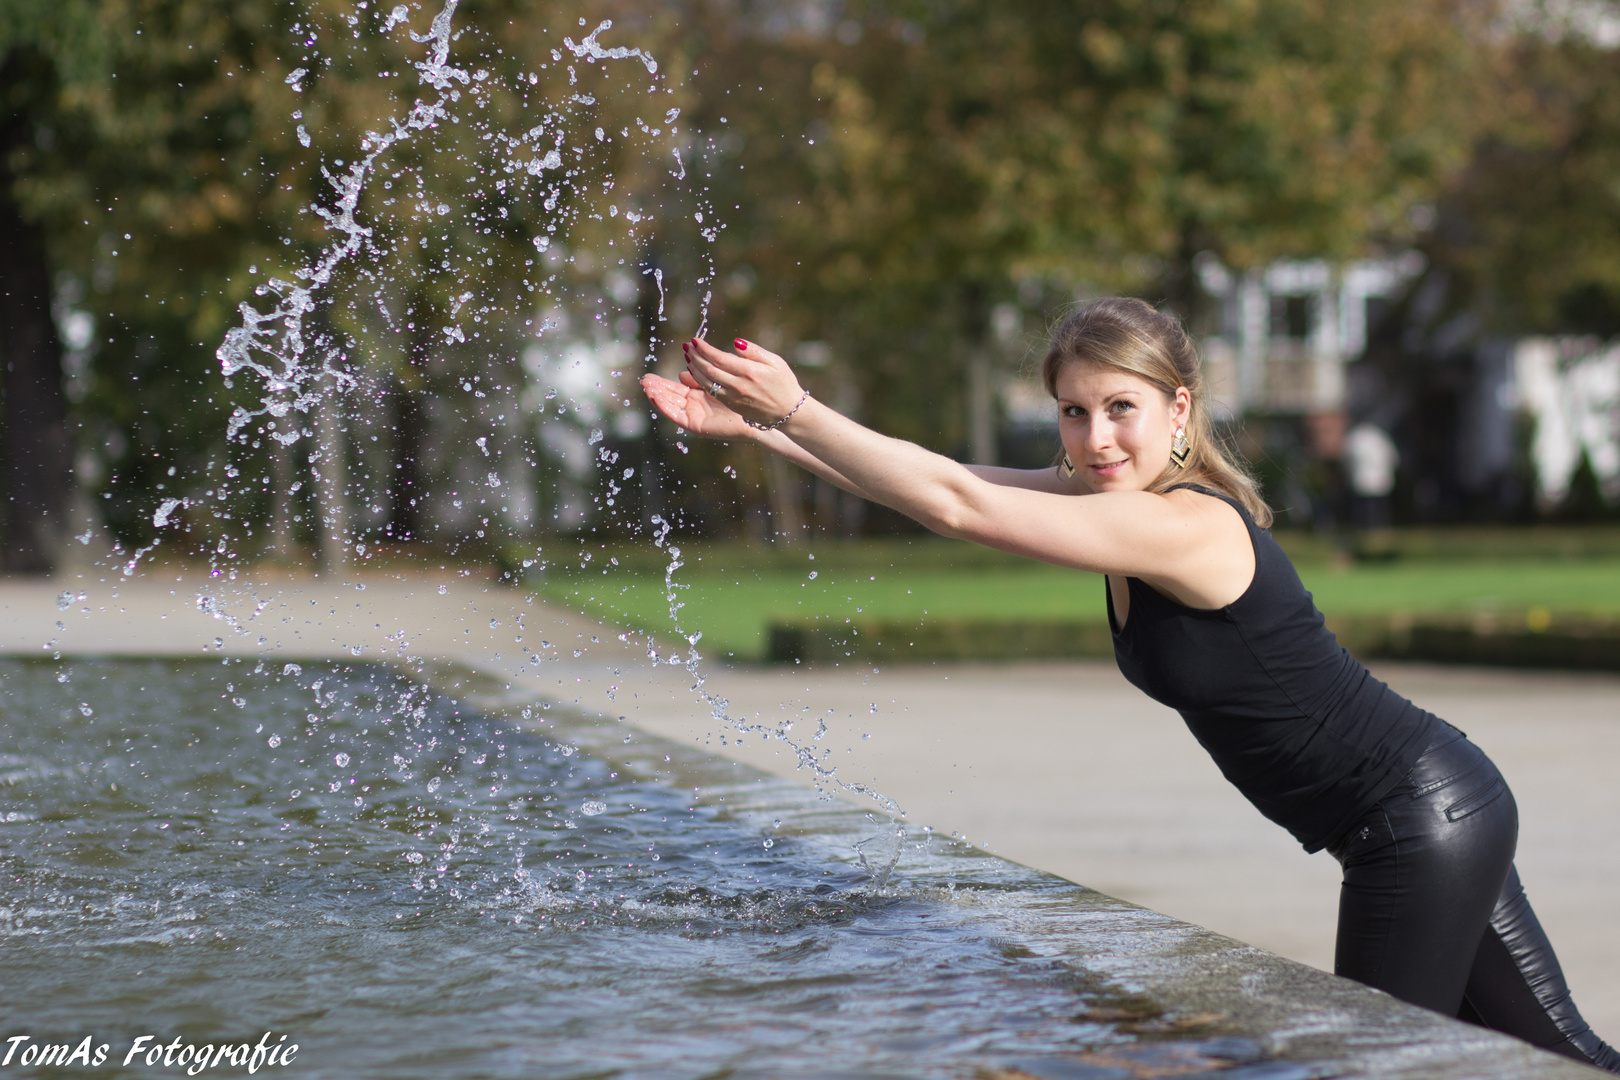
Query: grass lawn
pixel 732 610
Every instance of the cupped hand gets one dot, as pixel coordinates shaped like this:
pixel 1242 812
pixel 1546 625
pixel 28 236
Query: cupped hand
pixel 686 404
pixel 752 382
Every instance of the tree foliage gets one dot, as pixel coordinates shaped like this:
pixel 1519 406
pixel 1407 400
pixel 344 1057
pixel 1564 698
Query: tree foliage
pixel 879 175
pixel 1529 237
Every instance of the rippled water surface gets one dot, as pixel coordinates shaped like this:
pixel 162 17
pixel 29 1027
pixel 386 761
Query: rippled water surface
pixel 408 888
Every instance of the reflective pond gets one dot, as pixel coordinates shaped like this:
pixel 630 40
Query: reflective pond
pixel 203 852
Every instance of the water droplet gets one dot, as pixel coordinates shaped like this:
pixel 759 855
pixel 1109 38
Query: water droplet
pixel 342 761
pixel 443 589
pixel 62 676
pixel 64 601
pixel 592 808
pixel 292 669
pixel 274 741
pixel 813 574
pixel 414 857
pixel 433 784
pixel 85 710
pixel 769 843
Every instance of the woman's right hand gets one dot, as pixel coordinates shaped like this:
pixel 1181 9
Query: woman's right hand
pixel 687 404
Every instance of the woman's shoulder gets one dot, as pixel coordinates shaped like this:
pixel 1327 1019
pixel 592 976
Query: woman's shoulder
pixel 1219 556
pixel 1213 507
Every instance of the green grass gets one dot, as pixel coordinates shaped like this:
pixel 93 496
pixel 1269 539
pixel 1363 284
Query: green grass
pixel 1571 586
pixel 733 609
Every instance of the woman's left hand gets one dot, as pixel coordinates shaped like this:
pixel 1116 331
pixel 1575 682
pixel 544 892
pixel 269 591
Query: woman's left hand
pixel 753 382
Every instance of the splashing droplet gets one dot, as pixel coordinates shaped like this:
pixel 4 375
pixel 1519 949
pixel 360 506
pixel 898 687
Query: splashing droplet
pixel 592 808
pixel 342 761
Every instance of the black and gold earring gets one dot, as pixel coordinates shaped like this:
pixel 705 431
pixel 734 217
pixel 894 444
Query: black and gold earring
pixel 1179 450
pixel 1066 467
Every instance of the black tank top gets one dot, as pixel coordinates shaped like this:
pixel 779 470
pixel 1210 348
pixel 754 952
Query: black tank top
pixel 1299 726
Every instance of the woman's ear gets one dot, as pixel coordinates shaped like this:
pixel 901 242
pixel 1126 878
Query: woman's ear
pixel 1181 408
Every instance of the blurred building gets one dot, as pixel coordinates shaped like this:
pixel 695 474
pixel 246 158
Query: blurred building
pixel 1285 337
pixel 1287 331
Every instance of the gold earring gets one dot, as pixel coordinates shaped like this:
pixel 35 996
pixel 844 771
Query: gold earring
pixel 1179 450
pixel 1066 467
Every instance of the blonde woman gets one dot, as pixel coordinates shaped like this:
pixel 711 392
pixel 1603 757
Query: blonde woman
pixel 1210 618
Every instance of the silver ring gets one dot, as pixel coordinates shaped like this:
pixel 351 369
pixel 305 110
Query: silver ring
pixel 714 389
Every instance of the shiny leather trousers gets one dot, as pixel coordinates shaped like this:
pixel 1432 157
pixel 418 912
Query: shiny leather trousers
pixel 1432 912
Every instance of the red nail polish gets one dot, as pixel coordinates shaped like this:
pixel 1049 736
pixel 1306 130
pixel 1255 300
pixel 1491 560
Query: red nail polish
pixel 740 344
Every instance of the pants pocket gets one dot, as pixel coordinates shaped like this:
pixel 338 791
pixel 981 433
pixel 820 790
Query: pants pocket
pixel 1480 799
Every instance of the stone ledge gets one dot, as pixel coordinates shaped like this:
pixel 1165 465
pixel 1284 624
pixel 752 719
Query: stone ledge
pixel 1165 982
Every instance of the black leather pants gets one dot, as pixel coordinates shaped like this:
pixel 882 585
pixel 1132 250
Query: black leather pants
pixel 1432 911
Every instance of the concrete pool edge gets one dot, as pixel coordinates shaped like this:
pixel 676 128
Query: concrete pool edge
pixel 1294 1011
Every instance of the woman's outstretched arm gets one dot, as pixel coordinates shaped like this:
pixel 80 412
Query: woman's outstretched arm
pixel 688 405
pixel 1194 546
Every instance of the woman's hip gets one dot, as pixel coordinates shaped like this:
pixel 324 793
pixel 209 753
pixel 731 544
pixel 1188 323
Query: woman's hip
pixel 1452 809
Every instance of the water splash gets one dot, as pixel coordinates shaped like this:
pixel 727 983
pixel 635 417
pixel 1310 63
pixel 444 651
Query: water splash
pixel 589 47
pixel 278 335
pixel 807 757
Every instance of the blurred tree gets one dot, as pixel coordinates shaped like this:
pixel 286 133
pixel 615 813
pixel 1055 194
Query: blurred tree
pixel 42 46
pixel 197 169
pixel 1529 233
pixel 878 179
pixel 908 167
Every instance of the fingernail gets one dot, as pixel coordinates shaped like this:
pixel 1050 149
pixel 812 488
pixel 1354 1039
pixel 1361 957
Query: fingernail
pixel 740 345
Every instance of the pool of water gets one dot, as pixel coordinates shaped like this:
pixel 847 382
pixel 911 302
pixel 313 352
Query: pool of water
pixel 405 886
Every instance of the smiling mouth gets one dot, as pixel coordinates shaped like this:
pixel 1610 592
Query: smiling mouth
pixel 1107 469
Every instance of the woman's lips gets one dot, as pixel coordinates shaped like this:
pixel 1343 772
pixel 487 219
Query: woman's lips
pixel 1108 469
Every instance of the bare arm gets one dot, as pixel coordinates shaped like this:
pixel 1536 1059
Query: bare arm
pixel 688 405
pixel 778 443
pixel 1048 479
pixel 1193 546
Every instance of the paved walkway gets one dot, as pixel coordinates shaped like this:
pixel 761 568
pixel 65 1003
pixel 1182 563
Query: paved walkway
pixel 1062 766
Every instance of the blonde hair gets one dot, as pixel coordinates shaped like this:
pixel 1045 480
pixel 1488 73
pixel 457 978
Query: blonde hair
pixel 1129 335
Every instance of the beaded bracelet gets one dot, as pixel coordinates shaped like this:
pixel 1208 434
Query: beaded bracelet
pixel 779 423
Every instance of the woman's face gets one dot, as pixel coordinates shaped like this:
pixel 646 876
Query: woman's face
pixel 1117 427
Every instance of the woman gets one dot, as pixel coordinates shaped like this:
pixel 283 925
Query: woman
pixel 1210 618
